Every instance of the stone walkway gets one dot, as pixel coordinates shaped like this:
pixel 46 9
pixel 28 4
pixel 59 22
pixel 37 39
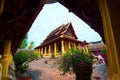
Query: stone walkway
pixel 43 69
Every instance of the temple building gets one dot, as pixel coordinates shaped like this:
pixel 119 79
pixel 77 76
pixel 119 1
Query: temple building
pixel 59 40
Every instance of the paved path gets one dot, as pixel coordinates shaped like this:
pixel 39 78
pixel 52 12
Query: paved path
pixel 43 69
pixel 47 71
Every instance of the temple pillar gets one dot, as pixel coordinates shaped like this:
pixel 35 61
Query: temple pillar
pixel 83 49
pixel 86 49
pixel 45 51
pixel 62 46
pixel 69 45
pixel 6 59
pixel 55 48
pixel 111 16
pixel 41 50
pixel 49 49
pixel 74 43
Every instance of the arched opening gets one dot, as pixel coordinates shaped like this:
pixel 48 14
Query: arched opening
pixel 20 14
pixel 49 26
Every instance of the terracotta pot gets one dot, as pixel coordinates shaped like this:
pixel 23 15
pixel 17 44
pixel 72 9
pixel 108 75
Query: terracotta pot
pixel 83 72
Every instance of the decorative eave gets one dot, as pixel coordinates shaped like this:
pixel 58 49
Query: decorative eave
pixel 56 39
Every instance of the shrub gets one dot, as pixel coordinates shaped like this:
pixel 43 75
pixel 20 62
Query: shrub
pixel 33 56
pixel 22 58
pixel 53 55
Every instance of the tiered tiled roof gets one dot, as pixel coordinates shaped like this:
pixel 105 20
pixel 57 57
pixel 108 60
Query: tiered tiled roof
pixel 58 32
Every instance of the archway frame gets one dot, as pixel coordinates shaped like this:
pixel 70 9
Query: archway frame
pixel 111 37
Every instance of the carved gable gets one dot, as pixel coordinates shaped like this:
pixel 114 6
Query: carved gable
pixel 70 33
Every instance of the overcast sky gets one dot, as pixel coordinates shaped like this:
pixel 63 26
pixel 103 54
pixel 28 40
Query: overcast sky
pixel 54 15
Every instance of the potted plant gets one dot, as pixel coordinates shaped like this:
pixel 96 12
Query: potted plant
pixel 79 61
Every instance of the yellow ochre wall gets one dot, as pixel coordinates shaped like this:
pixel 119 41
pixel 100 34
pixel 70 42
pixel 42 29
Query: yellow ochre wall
pixel 110 13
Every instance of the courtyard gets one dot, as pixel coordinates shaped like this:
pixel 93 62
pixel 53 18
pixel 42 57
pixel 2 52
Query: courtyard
pixel 45 69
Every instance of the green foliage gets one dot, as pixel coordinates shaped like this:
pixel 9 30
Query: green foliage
pixel 21 67
pixel 24 43
pixel 41 55
pixel 22 58
pixel 53 55
pixel 104 55
pixel 103 51
pixel 65 62
pixel 79 56
pixel 33 56
pixel 31 45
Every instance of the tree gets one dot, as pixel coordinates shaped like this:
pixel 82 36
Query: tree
pixel 24 42
pixel 31 45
